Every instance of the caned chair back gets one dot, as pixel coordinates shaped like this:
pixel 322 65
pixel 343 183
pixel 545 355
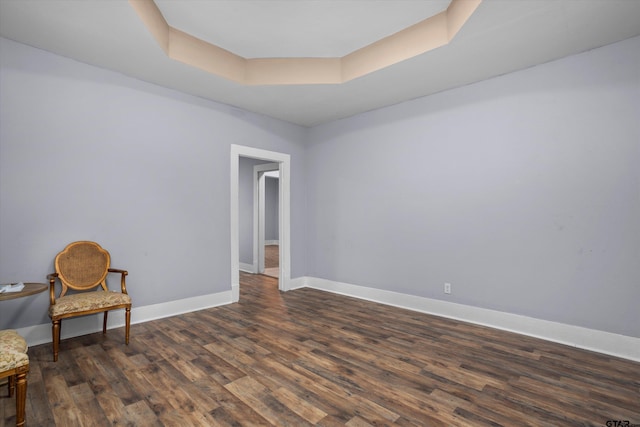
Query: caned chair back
pixel 82 265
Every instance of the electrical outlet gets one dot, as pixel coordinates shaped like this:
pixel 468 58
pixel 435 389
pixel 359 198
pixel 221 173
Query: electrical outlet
pixel 447 288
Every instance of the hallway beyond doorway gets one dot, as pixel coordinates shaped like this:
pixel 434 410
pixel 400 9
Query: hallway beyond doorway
pixel 271 260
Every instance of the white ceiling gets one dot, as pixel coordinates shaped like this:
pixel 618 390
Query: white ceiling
pixel 500 37
pixel 285 28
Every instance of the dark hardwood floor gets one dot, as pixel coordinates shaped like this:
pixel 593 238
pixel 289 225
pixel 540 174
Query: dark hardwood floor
pixel 271 260
pixel 271 256
pixel 308 357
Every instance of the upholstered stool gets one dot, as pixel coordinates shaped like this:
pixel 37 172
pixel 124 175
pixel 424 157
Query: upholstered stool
pixel 14 365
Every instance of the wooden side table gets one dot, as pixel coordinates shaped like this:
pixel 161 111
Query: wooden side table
pixel 29 289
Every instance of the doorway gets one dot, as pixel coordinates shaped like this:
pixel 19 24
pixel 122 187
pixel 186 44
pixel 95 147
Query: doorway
pixel 283 162
pixel 265 227
pixel 266 219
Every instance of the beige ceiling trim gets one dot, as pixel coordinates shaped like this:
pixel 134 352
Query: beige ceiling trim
pixel 206 56
pixel 292 71
pixel 415 40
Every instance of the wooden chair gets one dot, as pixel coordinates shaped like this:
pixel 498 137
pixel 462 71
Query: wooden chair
pixel 83 266
pixel 14 365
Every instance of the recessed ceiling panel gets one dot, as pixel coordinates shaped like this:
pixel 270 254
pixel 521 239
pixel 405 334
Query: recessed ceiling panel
pixel 500 37
pixel 288 28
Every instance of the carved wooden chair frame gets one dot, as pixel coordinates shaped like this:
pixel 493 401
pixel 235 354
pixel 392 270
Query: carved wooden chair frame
pixel 84 266
pixel 15 362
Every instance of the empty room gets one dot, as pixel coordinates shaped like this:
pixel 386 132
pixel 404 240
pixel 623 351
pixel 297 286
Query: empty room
pixel 319 212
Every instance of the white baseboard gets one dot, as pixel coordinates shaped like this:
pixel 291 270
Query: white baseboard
pixel 235 293
pixel 248 268
pixel 576 336
pixel 41 334
pixel 298 282
pixel 271 242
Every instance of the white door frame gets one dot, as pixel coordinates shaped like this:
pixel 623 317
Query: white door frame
pixel 284 164
pixel 259 213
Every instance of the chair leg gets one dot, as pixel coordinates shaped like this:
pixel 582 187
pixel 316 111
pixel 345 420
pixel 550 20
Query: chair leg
pixel 21 397
pixel 12 384
pixel 127 318
pixel 55 331
pixel 104 323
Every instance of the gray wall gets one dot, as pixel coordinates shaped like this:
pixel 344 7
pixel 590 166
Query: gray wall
pixel 245 206
pixel 522 191
pixel 86 153
pixel 271 198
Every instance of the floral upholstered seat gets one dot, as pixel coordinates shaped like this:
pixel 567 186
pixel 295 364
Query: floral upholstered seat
pixel 83 267
pixel 14 364
pixel 11 343
pixel 87 301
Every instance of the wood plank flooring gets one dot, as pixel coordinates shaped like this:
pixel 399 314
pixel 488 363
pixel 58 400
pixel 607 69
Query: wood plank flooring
pixel 271 256
pixel 271 260
pixel 308 357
